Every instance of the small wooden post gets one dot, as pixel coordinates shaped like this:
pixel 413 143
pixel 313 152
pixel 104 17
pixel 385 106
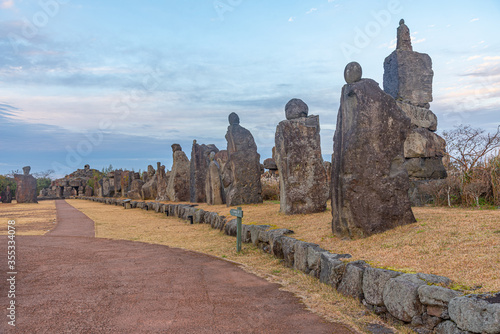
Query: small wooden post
pixel 238 214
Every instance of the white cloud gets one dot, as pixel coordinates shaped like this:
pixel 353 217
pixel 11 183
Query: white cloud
pixel 474 20
pixel 416 41
pixel 291 19
pixel 311 10
pixel 473 57
pixel 7 4
pixel 492 58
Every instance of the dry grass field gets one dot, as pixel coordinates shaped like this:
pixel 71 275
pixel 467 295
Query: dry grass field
pixel 462 244
pixel 31 219
pixel 116 223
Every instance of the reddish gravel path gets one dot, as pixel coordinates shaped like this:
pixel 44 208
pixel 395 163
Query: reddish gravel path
pixel 71 222
pixel 68 284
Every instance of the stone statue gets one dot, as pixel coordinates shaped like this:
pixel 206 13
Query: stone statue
pixel 26 187
pixel 213 182
pixel 241 175
pixel 369 182
pixel 403 37
pixel 302 176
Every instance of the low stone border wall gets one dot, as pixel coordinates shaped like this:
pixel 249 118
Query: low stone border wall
pixel 421 301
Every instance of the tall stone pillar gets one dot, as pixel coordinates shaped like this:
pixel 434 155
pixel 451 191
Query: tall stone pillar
pixel 26 187
pixel 302 175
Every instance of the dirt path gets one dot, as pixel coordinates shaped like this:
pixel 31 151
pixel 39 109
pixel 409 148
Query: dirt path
pixel 71 284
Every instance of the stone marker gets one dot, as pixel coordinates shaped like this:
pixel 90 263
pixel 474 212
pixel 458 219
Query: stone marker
pixel 198 170
pixel 26 187
pixel 150 188
pixel 302 175
pixel 369 181
pixel 6 195
pixel 161 183
pixel 241 174
pixel 178 182
pixel 213 183
pixel 408 78
pixel 296 108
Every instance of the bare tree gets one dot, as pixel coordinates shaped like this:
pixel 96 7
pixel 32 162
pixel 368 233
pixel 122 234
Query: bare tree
pixel 468 152
pixel 467 147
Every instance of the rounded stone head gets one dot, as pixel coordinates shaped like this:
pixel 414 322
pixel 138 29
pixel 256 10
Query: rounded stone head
pixel 234 119
pixel 26 170
pixel 402 21
pixel 86 167
pixel 176 147
pixel 352 72
pixel 296 108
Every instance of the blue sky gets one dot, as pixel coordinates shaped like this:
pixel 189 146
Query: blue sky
pixel 117 82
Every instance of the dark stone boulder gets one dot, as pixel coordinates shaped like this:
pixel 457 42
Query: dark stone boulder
pixel 26 187
pixel 198 170
pixel 369 182
pixel 241 174
pixel 178 182
pixel 296 108
pixel 302 175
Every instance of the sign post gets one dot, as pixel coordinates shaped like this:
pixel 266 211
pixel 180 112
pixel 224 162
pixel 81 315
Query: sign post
pixel 238 213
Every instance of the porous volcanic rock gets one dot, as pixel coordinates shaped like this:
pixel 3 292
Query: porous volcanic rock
pixel 241 174
pixel 302 175
pixel 369 182
pixel 26 187
pixel 198 170
pixel 178 182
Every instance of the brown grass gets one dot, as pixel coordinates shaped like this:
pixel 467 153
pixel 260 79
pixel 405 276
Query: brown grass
pixel 146 226
pixel 31 219
pixel 462 244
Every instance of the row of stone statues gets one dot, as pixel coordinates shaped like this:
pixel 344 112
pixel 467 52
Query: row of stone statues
pixel 382 137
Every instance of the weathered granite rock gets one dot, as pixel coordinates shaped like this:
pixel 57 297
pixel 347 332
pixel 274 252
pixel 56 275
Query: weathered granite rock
pixel 213 183
pixel 241 174
pixel 161 183
pixel 369 182
pixel 6 195
pixel 150 188
pixel 296 108
pixel 352 281
pixel 302 176
pixel 420 117
pixel 422 143
pixel 401 294
pixel 475 314
pixel 332 269
pixel 198 170
pixel 26 187
pixel 221 157
pixel 448 327
pixel 135 189
pixel 403 37
pixel 426 168
pixel 408 74
pixel 89 191
pixel 270 164
pixel 353 72
pixel 435 295
pixel 374 281
pixel 178 183
pixel 408 78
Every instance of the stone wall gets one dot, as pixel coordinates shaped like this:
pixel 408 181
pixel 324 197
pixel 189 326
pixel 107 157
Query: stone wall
pixel 421 301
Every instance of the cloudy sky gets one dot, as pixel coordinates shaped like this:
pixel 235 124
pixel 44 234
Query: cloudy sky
pixel 117 82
